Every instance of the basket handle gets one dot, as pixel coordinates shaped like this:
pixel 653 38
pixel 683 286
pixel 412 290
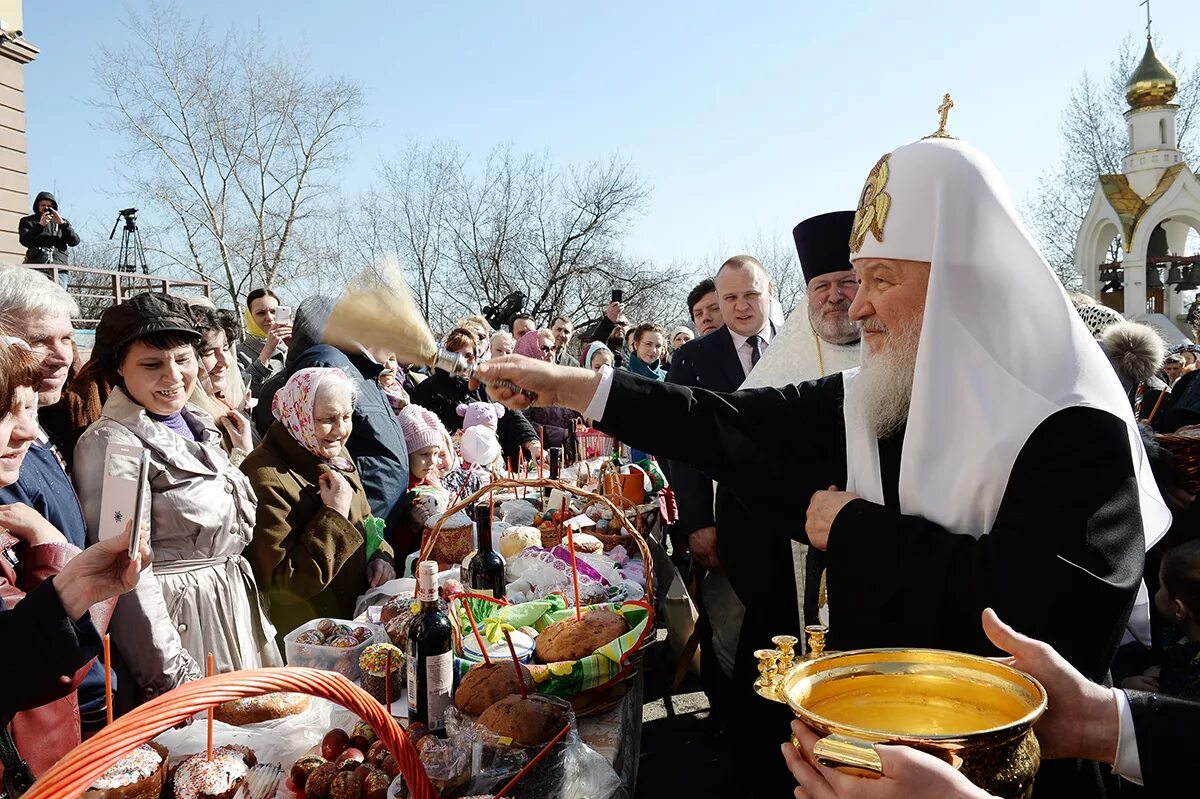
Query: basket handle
pixel 567 488
pixel 79 768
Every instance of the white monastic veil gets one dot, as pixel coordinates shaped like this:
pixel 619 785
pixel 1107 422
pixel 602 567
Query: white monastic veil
pixel 1001 347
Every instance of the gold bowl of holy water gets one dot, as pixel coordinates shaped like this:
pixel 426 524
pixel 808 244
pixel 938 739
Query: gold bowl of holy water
pixel 971 711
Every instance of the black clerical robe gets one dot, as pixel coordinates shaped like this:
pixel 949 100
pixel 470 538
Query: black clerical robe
pixel 1061 563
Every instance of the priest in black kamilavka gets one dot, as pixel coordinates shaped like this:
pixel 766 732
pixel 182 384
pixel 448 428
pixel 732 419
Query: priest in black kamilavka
pixel 984 455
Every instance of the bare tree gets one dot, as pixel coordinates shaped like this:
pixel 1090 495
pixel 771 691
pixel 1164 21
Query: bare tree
pixel 1095 143
pixel 471 234
pixel 229 141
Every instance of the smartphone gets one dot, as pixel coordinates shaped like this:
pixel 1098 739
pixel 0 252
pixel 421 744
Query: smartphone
pixel 283 315
pixel 123 494
pixel 618 295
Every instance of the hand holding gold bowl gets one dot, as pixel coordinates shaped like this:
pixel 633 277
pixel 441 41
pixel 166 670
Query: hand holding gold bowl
pixel 973 712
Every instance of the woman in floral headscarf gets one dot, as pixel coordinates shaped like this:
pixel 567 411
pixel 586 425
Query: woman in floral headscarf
pixel 316 547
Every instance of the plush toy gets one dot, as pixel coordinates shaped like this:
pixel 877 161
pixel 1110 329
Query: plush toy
pixel 479 444
pixel 480 413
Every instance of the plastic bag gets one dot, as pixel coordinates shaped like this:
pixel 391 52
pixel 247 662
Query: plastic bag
pixel 494 760
pixel 517 513
pixel 588 774
pixel 279 741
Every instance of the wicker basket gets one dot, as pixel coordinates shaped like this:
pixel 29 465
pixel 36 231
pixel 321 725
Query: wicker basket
pixel 1185 447
pixel 629 534
pixel 79 768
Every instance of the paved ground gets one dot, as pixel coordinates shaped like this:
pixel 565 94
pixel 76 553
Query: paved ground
pixel 681 754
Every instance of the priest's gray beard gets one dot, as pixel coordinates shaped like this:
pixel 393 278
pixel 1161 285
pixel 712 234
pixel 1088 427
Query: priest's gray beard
pixel 885 381
pixel 834 329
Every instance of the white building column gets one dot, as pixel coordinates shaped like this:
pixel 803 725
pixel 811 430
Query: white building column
pixel 1135 287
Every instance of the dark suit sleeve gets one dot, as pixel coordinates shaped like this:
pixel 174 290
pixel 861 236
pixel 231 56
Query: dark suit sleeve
pixel 744 438
pixel 1167 738
pixel 50 648
pixel 693 490
pixel 1068 535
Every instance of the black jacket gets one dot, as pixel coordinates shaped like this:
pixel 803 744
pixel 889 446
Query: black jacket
pixel 443 393
pixel 709 362
pixel 48 647
pixel 1168 738
pixel 45 244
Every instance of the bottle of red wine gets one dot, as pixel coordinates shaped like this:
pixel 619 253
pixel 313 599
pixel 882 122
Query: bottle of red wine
pixel 485 572
pixel 430 657
pixel 555 455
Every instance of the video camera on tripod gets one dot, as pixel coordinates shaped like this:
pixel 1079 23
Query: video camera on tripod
pixel 132 255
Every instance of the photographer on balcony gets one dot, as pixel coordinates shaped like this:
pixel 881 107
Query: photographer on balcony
pixel 46 235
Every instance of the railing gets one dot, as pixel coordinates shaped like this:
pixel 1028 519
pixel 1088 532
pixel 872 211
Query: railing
pixel 97 289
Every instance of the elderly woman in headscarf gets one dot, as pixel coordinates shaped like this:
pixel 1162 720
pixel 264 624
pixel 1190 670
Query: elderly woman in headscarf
pixel 200 596
pixel 316 546
pixel 555 426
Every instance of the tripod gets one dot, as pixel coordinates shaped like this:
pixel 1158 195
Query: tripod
pixel 133 255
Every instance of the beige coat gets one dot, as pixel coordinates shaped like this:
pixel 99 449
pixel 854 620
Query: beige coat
pixel 199 595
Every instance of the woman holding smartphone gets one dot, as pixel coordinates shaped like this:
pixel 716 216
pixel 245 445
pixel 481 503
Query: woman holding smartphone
pixel 202 597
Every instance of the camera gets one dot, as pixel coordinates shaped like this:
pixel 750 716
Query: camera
pixel 618 295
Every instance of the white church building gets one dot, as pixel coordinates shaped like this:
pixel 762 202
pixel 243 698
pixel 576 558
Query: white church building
pixel 1150 207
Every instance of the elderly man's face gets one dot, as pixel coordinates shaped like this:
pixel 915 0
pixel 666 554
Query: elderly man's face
pixel 706 313
pixel 829 298
pixel 890 299
pixel 745 297
pixel 51 338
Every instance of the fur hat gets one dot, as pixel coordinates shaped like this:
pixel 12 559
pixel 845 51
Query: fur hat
pixel 1135 350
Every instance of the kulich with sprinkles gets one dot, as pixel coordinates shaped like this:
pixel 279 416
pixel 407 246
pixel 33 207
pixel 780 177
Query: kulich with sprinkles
pixel 219 778
pixel 375 675
pixel 138 775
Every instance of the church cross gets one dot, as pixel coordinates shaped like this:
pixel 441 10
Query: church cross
pixel 944 110
pixel 1146 3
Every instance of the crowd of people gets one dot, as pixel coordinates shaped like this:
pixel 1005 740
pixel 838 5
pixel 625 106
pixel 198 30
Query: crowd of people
pixel 286 477
pixel 896 459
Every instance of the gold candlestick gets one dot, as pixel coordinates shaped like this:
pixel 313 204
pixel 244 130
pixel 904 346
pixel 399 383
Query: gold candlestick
pixel 786 644
pixel 816 640
pixel 768 667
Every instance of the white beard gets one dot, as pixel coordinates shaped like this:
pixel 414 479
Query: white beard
pixel 885 381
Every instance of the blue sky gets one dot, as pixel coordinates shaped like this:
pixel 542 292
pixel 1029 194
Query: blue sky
pixel 743 117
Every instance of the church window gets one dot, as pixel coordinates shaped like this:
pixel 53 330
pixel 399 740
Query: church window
pixel 1162 131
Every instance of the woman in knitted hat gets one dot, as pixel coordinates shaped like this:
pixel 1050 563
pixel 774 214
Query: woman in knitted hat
pixel 316 547
pixel 203 597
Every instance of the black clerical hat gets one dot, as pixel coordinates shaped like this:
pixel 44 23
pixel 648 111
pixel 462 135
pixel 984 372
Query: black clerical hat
pixel 823 243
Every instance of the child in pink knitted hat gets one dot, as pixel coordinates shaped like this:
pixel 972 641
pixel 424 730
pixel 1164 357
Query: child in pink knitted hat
pixel 427 439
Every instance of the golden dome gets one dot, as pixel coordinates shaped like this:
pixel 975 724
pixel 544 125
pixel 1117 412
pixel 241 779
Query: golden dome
pixel 1152 83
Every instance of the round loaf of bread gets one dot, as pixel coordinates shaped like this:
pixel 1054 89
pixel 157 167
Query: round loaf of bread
pixel 256 709
pixel 572 639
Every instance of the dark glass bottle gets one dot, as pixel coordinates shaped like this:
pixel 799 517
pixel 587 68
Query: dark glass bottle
pixel 555 455
pixel 430 657
pixel 485 571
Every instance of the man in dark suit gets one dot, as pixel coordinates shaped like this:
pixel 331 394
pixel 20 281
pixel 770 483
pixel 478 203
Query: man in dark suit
pixel 719 361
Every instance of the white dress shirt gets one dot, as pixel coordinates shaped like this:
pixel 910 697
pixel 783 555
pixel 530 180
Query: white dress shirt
pixel 1128 763
pixel 744 349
